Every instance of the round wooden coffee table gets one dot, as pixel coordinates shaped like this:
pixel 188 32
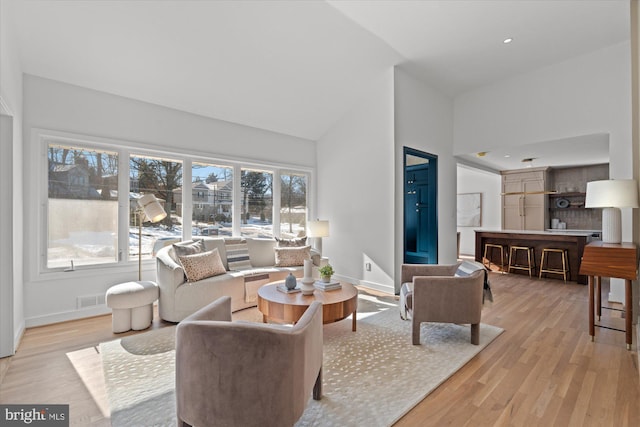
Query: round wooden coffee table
pixel 288 308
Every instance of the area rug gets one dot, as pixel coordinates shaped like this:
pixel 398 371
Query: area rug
pixel 371 377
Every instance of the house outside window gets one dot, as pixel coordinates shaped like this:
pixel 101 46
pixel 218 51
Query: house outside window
pixel 82 206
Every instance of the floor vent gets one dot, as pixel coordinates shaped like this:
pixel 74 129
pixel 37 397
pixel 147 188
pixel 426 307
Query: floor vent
pixel 90 301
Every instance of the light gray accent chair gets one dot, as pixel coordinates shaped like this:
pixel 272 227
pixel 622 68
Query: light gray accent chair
pixel 244 373
pixel 436 295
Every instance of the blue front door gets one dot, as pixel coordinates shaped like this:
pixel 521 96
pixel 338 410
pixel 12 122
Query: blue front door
pixel 420 207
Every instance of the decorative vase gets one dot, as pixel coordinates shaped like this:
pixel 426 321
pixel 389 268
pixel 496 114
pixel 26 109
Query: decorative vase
pixel 326 279
pixel 307 281
pixel 290 282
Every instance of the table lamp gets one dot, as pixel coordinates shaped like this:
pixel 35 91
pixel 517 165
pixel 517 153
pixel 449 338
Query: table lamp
pixel 611 195
pixel 149 209
pixel 318 229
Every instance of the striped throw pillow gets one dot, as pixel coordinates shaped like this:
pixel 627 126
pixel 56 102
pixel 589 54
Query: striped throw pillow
pixel 237 254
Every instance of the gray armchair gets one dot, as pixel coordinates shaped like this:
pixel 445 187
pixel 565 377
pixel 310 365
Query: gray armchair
pixel 243 373
pixel 433 294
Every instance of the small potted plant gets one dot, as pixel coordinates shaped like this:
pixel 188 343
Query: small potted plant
pixel 326 272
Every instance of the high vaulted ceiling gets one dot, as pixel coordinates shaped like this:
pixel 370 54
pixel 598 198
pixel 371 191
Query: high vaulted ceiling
pixel 296 67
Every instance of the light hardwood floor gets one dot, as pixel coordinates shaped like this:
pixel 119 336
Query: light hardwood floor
pixel 542 371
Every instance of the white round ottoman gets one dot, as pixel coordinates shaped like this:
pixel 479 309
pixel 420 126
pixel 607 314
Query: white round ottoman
pixel 132 305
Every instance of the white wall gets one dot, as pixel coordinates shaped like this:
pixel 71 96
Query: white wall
pixel 58 106
pixel 12 241
pixel 583 95
pixel 356 189
pixel 489 186
pixel 424 121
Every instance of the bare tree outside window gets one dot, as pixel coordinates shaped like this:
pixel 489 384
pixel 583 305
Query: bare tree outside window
pixel 160 177
pixel 82 206
pixel 257 203
pixel 293 205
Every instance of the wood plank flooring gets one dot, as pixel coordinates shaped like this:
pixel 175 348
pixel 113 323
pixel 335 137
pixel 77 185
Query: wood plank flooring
pixel 543 370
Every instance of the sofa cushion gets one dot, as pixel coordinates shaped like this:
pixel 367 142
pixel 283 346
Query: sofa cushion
pixel 237 254
pixel 261 252
pixel 199 266
pixel 292 256
pixel 187 248
pixel 286 243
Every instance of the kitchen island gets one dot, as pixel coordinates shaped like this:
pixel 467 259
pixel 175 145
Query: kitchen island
pixel 573 241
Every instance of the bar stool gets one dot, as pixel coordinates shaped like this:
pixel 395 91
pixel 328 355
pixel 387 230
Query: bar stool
pixel 513 258
pixel 565 262
pixel 493 247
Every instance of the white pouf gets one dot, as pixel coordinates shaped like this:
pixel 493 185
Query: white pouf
pixel 132 305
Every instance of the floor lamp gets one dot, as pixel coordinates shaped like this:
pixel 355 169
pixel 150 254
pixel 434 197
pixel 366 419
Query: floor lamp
pixel 150 209
pixel 611 195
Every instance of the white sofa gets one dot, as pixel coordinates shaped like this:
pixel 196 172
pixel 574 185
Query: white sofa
pixel 179 298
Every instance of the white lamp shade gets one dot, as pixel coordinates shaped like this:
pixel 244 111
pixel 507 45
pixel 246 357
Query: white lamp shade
pixel 612 193
pixel 153 210
pixel 318 228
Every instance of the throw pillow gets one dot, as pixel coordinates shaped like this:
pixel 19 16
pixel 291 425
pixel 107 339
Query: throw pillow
pixel 199 266
pixel 237 254
pixel 466 268
pixel 287 243
pixel 292 257
pixel 188 248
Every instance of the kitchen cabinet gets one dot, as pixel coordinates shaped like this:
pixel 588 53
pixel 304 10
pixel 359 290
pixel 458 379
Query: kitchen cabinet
pixel 524 204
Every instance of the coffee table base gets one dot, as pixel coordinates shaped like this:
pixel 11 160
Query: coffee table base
pixel 289 308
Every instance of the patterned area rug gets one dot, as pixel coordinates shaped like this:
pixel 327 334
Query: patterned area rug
pixel 371 377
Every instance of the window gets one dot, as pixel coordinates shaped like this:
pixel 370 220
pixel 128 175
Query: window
pixel 92 188
pixel 257 203
pixel 163 178
pixel 82 206
pixel 293 205
pixel 212 190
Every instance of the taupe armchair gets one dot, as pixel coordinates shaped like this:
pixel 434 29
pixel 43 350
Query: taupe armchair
pixel 244 373
pixel 433 294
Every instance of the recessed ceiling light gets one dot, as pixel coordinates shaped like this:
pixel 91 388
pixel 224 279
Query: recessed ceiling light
pixel 506 156
pixel 507 40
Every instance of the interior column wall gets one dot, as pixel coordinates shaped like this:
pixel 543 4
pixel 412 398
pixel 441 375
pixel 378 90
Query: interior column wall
pixel 423 119
pixel 356 190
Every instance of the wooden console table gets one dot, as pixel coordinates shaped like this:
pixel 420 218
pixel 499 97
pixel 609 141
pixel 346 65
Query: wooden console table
pixel 619 260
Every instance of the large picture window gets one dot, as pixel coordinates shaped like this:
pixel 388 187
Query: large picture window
pixel 92 193
pixel 82 208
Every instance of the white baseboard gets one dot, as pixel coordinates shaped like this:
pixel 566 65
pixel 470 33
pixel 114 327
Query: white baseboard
pixel 65 316
pixel 367 284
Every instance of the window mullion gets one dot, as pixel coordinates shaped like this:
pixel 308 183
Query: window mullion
pixel 276 190
pixel 123 206
pixel 187 200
